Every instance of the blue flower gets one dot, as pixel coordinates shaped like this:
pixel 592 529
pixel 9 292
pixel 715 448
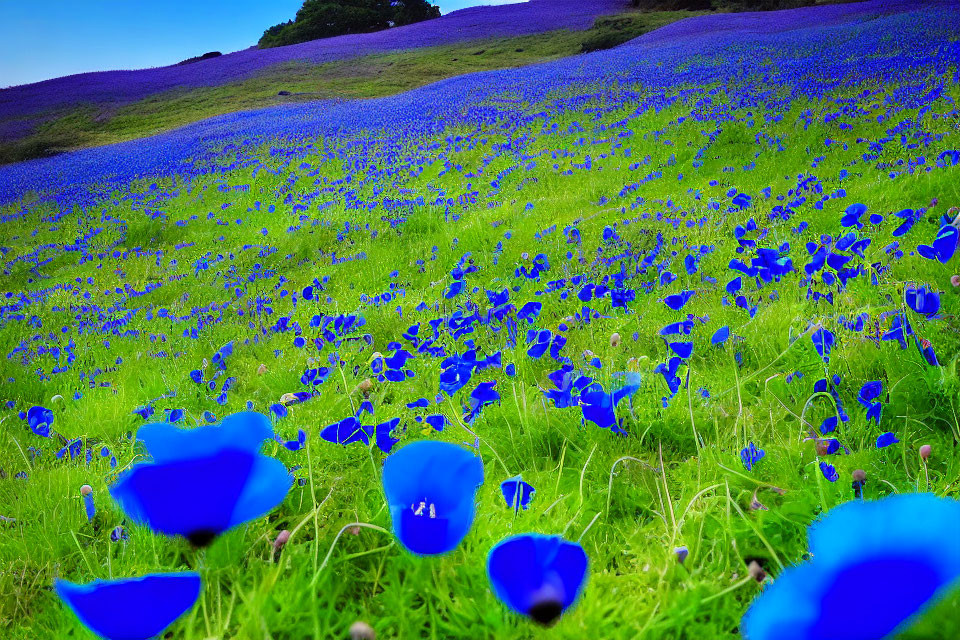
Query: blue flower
pixel 599 407
pixel 40 420
pixel 517 493
pixel 678 300
pixel 886 439
pixel 750 455
pixel 924 302
pixel 682 349
pixel 537 575
pixel 721 335
pixel 480 397
pixel 829 472
pixel 852 216
pixel 823 340
pixel 382 435
pixel 430 489
pixel 131 608
pixel 875 566
pixel 201 482
pixel 346 431
pixel 869 392
pixel 944 245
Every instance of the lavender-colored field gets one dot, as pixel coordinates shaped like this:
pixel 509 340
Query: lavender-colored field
pixel 658 59
pixel 526 18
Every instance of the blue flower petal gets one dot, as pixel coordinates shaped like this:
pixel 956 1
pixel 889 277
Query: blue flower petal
pixel 131 608
pixel 875 566
pixel 517 493
pixel 202 497
pixel 430 488
pixel 243 431
pixel 537 575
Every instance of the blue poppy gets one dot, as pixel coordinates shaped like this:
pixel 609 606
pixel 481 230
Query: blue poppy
pixel 886 439
pixel 480 397
pixel 430 489
pixel 683 349
pixel 852 216
pixel 721 335
pixel 537 575
pixel 678 300
pixel 517 493
pixel 875 566
pixel 926 349
pixel 829 472
pixel 382 435
pixel 924 302
pixel 346 431
pixel 751 455
pixel 868 395
pixel 201 482
pixel 944 245
pixel 40 420
pixel 823 340
pixel 599 407
pixel 131 608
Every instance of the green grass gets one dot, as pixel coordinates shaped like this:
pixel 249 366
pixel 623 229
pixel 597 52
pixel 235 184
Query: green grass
pixel 676 480
pixel 368 76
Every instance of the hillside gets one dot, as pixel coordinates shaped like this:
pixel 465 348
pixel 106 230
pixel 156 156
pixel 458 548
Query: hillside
pixel 672 302
pixel 62 108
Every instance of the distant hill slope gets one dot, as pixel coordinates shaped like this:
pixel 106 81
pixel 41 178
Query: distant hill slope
pixel 536 16
pixel 93 109
pixel 196 148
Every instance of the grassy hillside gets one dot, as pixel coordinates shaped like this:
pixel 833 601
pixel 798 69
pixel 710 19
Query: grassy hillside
pixel 363 77
pixel 657 223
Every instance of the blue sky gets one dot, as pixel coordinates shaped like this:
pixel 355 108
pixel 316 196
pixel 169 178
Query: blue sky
pixel 42 39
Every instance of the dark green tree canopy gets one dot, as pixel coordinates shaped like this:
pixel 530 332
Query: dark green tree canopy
pixel 327 18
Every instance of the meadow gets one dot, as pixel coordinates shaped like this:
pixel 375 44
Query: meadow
pixel 684 288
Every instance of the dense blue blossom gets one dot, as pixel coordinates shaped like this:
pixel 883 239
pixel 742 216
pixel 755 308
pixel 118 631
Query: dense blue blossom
pixel 131 608
pixel 430 490
pixel 874 567
pixel 201 482
pixel 536 575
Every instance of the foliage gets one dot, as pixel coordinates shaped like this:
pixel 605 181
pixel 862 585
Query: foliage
pixel 327 18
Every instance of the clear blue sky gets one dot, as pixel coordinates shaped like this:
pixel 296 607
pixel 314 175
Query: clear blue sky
pixel 42 39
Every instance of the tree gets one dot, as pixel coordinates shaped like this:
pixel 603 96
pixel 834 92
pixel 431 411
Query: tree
pixel 327 18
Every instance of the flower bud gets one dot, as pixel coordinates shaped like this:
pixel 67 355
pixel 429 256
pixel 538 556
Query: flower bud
pixel 955 280
pixel 925 452
pixel 87 492
pixel 756 571
pixel 859 479
pixel 615 340
pixel 681 553
pixel 281 540
pixel 262 369
pixel 360 630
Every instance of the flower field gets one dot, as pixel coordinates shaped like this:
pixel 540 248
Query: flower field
pixel 577 350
